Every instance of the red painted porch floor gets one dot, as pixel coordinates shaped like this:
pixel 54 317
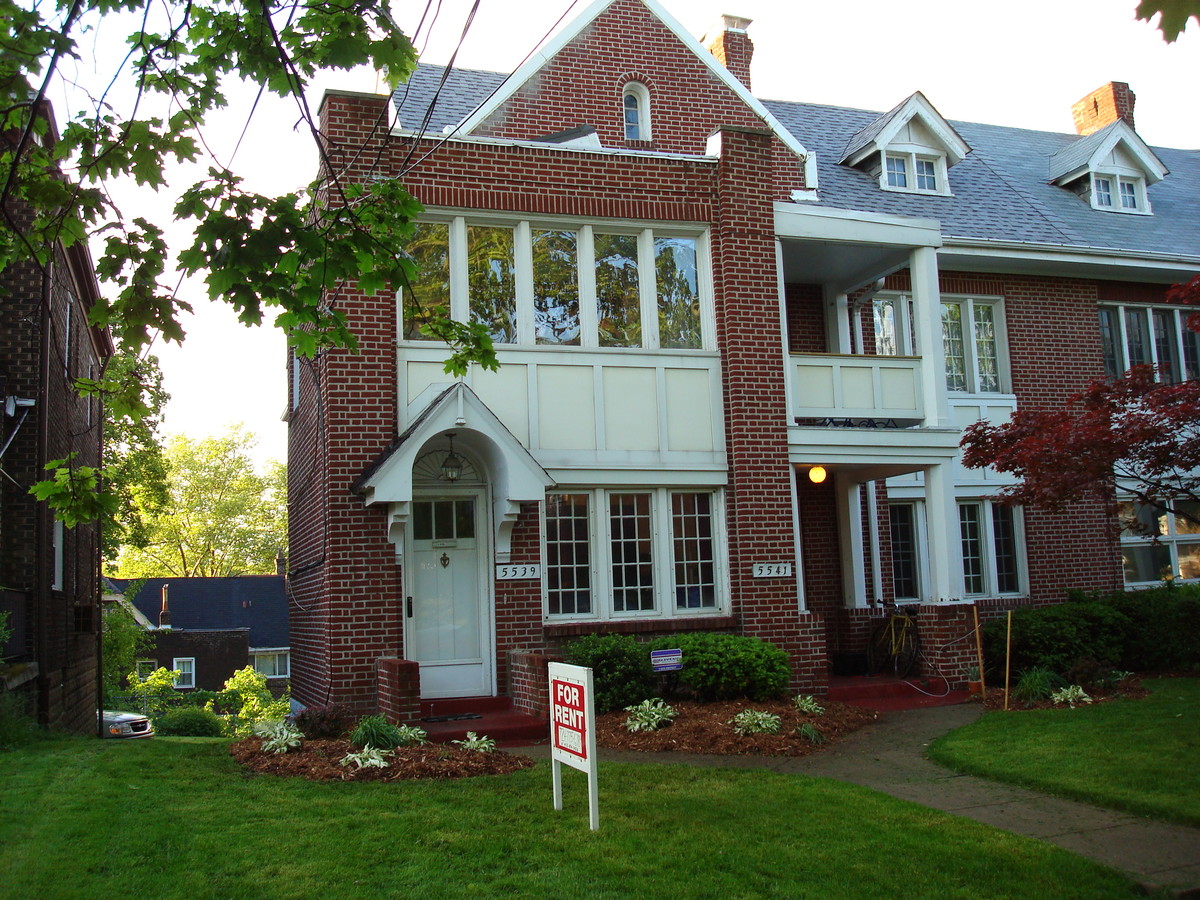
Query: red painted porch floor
pixel 886 694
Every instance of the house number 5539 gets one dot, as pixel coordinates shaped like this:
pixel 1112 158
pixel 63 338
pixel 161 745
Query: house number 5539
pixel 516 573
pixel 772 570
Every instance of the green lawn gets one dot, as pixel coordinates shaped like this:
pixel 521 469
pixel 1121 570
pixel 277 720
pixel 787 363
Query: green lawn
pixel 176 818
pixel 1134 755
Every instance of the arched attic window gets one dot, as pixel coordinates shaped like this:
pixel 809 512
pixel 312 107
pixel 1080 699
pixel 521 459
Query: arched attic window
pixel 635 100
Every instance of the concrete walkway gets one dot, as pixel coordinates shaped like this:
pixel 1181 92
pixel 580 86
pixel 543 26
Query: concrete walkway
pixel 889 756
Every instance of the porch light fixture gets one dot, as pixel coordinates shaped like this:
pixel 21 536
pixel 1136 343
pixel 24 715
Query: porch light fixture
pixel 817 474
pixel 452 465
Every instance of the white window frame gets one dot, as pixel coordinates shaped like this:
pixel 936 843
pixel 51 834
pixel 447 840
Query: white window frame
pixel 523 229
pixel 969 303
pixel 990 573
pixel 256 652
pixel 187 674
pixel 1171 539
pixel 910 155
pixel 1117 180
pixel 641 94
pixel 1121 336
pixel 144 667
pixel 601 557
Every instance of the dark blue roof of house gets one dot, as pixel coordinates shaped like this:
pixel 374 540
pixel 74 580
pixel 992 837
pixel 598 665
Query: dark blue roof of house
pixel 257 602
pixel 1001 191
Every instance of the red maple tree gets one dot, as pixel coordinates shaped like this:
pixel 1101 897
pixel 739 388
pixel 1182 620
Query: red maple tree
pixel 1134 432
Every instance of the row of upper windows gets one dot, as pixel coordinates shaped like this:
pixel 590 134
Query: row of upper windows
pixel 578 285
pixel 1149 336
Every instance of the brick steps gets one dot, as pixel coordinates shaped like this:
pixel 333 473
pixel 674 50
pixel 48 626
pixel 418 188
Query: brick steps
pixel 491 716
pixel 886 694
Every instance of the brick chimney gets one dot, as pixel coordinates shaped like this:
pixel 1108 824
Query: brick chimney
pixel 280 563
pixel 1104 106
pixel 728 42
pixel 164 614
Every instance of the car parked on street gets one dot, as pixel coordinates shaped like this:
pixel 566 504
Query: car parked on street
pixel 125 725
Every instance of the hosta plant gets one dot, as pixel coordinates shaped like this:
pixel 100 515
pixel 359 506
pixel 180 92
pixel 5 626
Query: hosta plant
pixel 478 743
pixel 367 758
pixel 755 721
pixel 807 704
pixel 649 715
pixel 1070 696
pixel 411 735
pixel 279 736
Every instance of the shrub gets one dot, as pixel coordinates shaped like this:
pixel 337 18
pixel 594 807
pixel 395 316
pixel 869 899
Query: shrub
pixel 377 732
pixel 1163 634
pixel 1070 695
pixel 1036 683
pixel 621 671
pixel 189 721
pixel 17 727
pixel 155 693
pixel 1058 637
pixel 328 722
pixel 727 666
pixel 247 696
pixel 649 715
pixel 755 721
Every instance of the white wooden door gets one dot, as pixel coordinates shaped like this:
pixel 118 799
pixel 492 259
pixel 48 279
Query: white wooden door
pixel 446 612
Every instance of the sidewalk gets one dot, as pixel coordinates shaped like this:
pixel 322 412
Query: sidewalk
pixel 889 756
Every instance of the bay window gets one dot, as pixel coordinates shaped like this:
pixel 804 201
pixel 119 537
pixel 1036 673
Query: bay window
pixel 1158 544
pixel 630 553
pixel 560 284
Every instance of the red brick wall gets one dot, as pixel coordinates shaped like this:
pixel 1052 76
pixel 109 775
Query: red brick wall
pixel 399 690
pixel 806 318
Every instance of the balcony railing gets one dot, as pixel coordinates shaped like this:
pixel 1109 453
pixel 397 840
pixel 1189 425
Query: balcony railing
pixel 875 388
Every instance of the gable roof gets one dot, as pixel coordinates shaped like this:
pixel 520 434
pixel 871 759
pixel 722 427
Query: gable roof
pixel 882 132
pixel 256 602
pixel 1085 154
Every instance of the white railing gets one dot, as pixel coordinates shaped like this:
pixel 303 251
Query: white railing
pixel 833 386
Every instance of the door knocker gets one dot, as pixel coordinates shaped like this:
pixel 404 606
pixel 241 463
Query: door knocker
pixel 445 560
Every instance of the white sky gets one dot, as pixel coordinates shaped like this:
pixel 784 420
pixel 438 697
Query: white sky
pixel 1006 62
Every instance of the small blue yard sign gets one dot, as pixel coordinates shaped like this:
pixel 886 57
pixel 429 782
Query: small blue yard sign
pixel 666 660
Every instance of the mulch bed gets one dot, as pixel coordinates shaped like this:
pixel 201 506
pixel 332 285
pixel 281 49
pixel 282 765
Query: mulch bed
pixel 705 728
pixel 318 760
pixel 1129 689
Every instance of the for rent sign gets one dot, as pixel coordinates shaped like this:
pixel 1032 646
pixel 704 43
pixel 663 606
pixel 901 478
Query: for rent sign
pixel 573 730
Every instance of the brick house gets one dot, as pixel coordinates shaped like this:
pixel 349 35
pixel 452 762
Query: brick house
pixel 209 628
pixel 739 341
pixel 49 574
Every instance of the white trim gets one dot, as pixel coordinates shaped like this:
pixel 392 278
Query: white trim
pixel 641 96
pixel 539 57
pixel 917 106
pixel 192 674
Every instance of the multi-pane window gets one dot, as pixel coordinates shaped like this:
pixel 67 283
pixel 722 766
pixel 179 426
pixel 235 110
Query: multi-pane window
pixel 568 555
pixel 648 553
pixel 906 583
pixel 271 663
pixel 1158 544
pixel 533 284
pixel 894 326
pixel 186 667
pixel 1118 193
pixel 144 667
pixel 635 108
pixel 971 343
pixel 1129 198
pixel 911 172
pixel 1149 335
pixel 1103 189
pixel 988 535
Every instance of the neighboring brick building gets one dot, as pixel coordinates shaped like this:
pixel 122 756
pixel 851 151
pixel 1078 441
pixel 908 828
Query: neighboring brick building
pixel 209 628
pixel 49 575
pixel 739 341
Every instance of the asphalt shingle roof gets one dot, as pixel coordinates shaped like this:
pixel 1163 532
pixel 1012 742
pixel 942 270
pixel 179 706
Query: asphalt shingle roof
pixel 999 192
pixel 256 602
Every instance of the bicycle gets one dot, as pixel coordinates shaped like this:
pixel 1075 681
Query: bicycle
pixel 894 644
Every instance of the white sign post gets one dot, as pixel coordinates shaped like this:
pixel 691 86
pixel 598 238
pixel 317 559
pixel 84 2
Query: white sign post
pixel 573 731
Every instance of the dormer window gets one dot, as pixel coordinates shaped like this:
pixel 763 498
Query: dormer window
pixel 910 149
pixel 635 100
pixel 1110 169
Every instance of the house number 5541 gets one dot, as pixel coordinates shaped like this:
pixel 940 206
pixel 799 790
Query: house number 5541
pixel 772 570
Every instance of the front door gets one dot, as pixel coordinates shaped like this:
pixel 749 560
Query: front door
pixel 447 623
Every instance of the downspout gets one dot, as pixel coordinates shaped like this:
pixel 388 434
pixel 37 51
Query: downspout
pixel 41 582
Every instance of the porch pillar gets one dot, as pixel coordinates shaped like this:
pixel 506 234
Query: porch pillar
pixel 850 541
pixel 941 523
pixel 927 310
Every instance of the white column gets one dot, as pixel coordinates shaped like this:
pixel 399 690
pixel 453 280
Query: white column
pixel 941 525
pixel 850 541
pixel 927 308
pixel 837 323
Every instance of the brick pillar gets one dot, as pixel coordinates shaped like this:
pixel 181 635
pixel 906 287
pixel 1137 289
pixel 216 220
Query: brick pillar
pixel 529 680
pixel 750 339
pixel 399 690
